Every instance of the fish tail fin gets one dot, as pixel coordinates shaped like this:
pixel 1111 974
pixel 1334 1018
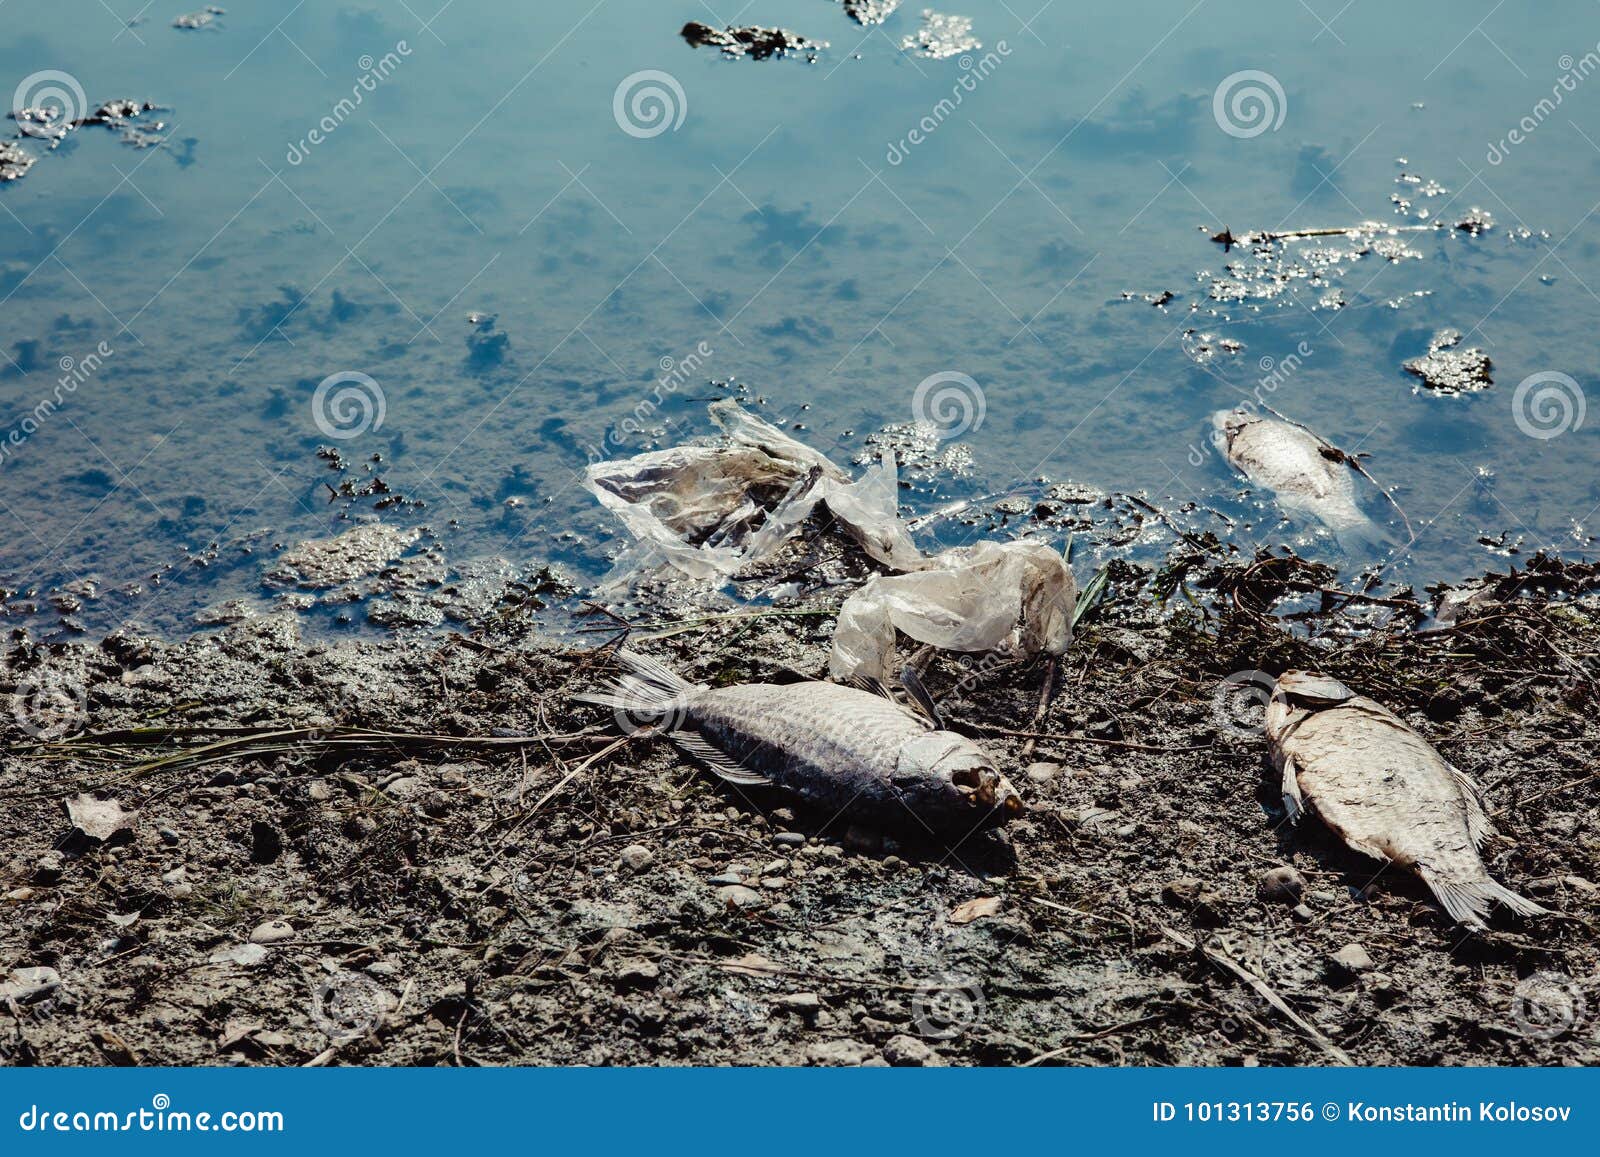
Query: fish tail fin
pixel 647 687
pixel 1357 533
pixel 1469 903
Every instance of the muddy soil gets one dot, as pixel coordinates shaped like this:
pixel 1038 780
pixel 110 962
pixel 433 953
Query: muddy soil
pixel 455 892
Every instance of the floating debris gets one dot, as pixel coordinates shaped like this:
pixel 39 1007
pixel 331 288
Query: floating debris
pixel 869 11
pixel 1202 348
pixel 1445 369
pixel 15 161
pixel 1385 791
pixel 709 511
pixel 941 36
pixel 1156 299
pixel 204 18
pixel 1273 267
pixel 323 563
pixel 921 451
pixel 752 41
pixel 841 749
pixel 51 124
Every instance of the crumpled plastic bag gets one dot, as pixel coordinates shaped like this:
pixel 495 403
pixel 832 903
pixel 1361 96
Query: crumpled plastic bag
pixel 709 511
pixel 1013 597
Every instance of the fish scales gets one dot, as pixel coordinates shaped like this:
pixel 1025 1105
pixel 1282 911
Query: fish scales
pixel 1385 791
pixel 794 732
pixel 851 750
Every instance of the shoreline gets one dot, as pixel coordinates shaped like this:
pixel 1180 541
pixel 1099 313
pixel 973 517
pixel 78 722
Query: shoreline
pixel 510 882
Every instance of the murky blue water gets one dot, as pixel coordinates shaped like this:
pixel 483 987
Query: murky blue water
pixel 791 226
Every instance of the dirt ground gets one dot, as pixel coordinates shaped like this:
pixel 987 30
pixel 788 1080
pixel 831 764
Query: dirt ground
pixel 280 886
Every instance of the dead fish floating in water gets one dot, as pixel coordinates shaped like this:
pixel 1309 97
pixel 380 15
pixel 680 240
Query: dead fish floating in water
pixel 1385 791
pixel 837 748
pixel 1306 475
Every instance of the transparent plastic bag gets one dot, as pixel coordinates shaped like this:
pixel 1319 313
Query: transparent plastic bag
pixel 1012 597
pixel 711 510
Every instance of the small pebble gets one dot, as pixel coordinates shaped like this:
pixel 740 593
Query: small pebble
pixel 1283 885
pixel 1043 772
pixel 168 836
pixel 801 1002
pixel 272 932
pixel 909 1052
pixel 840 1052
pixel 738 896
pixel 1352 960
pixel 636 857
pixel 789 839
pixel 638 974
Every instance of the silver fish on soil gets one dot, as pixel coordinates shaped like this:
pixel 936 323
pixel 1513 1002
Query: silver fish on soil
pixel 838 748
pixel 1290 462
pixel 1385 791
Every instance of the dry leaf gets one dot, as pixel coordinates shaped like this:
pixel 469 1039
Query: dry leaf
pixel 974 909
pixel 98 819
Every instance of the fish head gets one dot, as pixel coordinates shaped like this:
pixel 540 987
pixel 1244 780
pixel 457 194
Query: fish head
pixel 947 777
pixel 1298 693
pixel 1226 424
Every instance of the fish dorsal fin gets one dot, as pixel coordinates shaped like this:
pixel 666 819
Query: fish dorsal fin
pixel 722 765
pixel 920 698
pixel 871 684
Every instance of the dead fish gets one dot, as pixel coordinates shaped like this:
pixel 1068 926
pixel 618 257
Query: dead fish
pixel 841 749
pixel 1293 463
pixel 1385 791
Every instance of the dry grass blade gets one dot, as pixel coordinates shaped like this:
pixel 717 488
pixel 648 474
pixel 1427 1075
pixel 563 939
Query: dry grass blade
pixel 123 749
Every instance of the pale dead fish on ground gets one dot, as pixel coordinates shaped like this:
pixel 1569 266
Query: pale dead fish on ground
pixel 1290 461
pixel 838 748
pixel 1385 791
